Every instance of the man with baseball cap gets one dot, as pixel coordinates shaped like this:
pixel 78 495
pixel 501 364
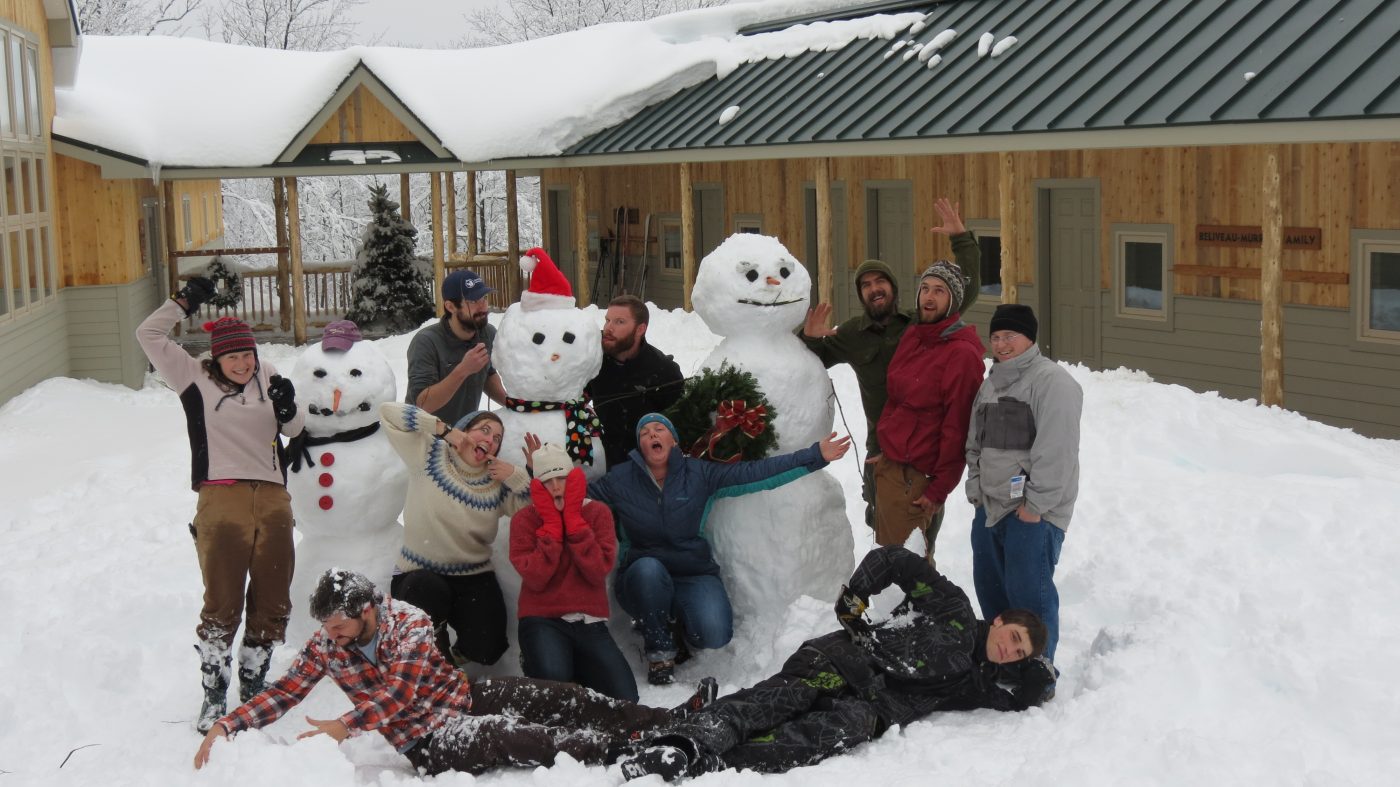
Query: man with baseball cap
pixel 868 340
pixel 1022 472
pixel 449 364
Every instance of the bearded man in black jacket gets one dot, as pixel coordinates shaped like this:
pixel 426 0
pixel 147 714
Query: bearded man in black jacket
pixel 635 379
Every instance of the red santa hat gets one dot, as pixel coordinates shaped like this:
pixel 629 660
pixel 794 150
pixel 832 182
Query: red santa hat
pixel 548 287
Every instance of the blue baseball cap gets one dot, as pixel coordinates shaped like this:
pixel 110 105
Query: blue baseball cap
pixel 464 285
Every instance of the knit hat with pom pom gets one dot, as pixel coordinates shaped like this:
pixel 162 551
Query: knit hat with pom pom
pixel 229 335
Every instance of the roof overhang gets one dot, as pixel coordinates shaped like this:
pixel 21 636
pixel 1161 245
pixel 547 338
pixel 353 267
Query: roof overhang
pixel 1213 134
pixel 362 76
pixel 65 40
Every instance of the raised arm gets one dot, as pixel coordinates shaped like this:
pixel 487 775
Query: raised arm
pixel 170 359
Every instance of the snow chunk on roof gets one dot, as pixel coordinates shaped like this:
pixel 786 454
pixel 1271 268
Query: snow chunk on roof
pixel 186 102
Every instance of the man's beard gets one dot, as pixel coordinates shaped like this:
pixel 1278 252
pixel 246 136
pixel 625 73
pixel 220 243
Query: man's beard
pixel 622 345
pixel 925 318
pixel 467 321
pixel 880 312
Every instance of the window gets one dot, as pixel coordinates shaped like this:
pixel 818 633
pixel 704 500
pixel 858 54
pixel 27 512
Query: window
pixel 1142 270
pixel 1377 294
pixel 672 248
pixel 188 221
pixel 28 270
pixel 988 232
pixel 749 223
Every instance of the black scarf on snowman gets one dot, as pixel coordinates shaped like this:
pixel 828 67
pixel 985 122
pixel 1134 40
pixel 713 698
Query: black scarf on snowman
pixel 581 424
pixel 299 447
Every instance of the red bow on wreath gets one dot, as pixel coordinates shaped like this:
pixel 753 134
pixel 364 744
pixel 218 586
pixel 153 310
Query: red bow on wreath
pixel 731 414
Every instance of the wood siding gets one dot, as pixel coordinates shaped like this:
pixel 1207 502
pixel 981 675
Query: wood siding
pixel 362 118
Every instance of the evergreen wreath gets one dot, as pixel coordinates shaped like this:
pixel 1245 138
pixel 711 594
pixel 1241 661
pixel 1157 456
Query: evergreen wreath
pixel 228 284
pixel 723 416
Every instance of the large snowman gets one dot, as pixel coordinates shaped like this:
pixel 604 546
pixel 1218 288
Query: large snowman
pixel 346 482
pixel 546 351
pixel 777 545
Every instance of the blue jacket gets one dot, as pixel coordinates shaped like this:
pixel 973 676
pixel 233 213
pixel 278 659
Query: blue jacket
pixel 668 522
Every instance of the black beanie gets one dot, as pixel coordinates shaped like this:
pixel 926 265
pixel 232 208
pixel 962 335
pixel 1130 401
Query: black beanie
pixel 1014 317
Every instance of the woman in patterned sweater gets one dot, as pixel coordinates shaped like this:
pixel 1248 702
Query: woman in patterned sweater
pixel 457 492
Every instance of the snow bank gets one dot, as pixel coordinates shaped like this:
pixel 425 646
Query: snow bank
pixel 1229 586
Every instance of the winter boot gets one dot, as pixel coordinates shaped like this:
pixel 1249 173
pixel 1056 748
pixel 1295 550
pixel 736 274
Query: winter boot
pixel 671 757
pixel 215 667
pixel 253 660
pixel 705 694
pixel 661 673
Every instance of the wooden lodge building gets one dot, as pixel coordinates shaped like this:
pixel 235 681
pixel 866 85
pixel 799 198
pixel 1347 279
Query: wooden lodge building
pixel 1209 192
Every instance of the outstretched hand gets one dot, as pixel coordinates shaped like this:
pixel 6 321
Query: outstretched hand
pixel 949 213
pixel 335 728
pixel 834 447
pixel 818 324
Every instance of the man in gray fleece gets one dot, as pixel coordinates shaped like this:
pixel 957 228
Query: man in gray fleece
pixel 1022 472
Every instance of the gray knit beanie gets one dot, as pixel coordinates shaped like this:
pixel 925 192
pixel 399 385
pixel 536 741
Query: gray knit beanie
pixel 952 276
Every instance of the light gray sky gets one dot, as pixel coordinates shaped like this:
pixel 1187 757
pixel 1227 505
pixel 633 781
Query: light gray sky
pixel 416 22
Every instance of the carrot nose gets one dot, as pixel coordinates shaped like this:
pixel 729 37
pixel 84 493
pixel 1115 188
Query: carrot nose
pixel 335 402
pixel 554 357
pixel 774 281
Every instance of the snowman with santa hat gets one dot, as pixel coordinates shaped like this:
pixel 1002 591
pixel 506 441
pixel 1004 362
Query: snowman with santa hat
pixel 347 484
pixel 780 544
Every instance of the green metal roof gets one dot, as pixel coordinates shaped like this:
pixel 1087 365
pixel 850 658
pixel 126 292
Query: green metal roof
pixel 1077 66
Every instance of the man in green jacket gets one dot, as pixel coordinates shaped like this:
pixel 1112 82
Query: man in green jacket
pixel 867 341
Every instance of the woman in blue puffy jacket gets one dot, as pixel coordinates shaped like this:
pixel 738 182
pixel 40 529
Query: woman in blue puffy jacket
pixel 666 568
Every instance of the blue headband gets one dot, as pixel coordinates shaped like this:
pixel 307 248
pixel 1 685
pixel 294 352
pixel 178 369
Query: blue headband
pixel 657 418
pixel 466 419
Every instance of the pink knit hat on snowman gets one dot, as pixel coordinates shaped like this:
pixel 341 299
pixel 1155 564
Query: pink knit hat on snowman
pixel 548 287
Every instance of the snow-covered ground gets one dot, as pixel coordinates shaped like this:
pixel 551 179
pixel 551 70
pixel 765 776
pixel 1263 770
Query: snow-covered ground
pixel 1231 591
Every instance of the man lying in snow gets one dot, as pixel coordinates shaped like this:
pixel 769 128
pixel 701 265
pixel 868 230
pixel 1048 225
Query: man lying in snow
pixel 382 653
pixel 847 687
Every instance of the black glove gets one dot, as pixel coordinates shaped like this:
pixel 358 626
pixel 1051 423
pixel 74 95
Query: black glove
pixel 850 611
pixel 283 396
pixel 196 292
pixel 1037 678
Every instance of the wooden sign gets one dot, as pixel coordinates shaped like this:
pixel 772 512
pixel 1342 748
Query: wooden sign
pixel 1253 237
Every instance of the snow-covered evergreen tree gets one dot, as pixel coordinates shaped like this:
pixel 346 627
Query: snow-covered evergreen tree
pixel 389 292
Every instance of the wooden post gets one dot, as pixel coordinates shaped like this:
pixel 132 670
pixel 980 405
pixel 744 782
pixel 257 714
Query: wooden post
pixel 1271 290
pixel 405 197
pixel 512 233
pixel 1009 225
pixel 471 213
pixel 172 264
pixel 581 286
pixel 439 264
pixel 687 235
pixel 284 294
pixel 451 178
pixel 298 280
pixel 825 259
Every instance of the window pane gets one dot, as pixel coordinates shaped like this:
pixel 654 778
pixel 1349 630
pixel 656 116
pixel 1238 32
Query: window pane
pixel 31 83
pixel 1385 290
pixel 41 184
pixel 26 185
pixel 45 255
pixel 35 267
pixel 5 285
pixel 7 126
pixel 189 225
pixel 1142 275
pixel 671 246
pixel 16 268
pixel 991 264
pixel 17 83
pixel 12 186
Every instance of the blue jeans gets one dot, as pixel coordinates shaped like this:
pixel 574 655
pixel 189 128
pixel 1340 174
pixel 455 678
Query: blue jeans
pixel 582 653
pixel 1013 567
pixel 653 597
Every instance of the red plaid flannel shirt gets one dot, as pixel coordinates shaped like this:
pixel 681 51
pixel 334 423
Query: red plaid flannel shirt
pixel 410 693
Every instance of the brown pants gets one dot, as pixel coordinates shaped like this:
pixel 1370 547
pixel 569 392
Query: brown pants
pixel 243 536
pixel 525 722
pixel 897 486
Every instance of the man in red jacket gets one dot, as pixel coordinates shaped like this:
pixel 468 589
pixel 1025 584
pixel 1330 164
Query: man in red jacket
pixel 932 380
pixel 564 546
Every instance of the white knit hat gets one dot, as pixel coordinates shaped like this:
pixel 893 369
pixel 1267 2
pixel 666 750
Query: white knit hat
pixel 551 461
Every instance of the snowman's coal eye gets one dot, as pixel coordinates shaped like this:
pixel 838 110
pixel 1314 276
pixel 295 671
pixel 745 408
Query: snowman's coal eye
pixel 784 272
pixel 752 275
pixel 538 338
pixel 319 373
pixel 355 372
pixel 568 338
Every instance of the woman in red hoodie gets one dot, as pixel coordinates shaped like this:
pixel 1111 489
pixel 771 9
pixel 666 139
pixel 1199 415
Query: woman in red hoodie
pixel 564 546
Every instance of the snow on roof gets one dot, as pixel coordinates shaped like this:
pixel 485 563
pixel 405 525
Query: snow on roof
pixel 192 103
